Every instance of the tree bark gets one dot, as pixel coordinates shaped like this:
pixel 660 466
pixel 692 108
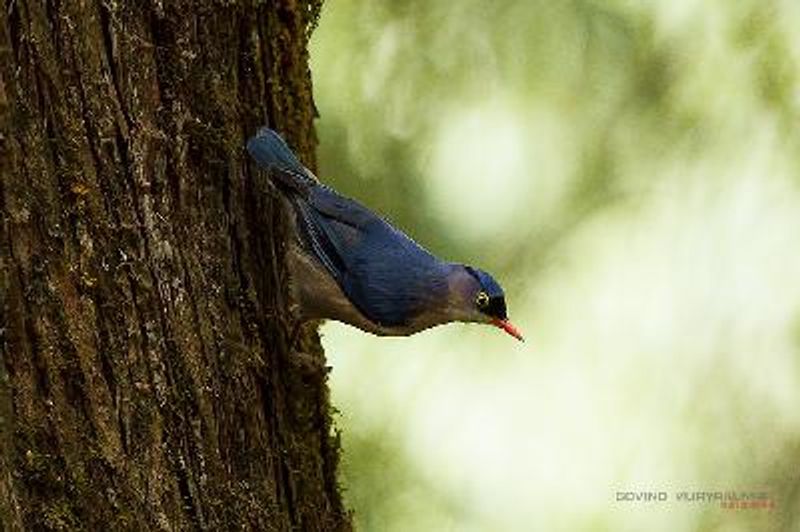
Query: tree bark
pixel 151 375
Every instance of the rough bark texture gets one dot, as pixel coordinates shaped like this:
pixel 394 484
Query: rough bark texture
pixel 150 375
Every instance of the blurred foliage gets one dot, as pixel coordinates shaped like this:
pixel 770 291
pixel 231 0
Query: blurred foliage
pixel 630 171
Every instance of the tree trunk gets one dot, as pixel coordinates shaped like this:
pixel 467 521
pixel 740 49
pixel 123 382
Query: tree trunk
pixel 151 376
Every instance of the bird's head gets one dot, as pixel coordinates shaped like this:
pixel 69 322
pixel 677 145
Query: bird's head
pixel 477 297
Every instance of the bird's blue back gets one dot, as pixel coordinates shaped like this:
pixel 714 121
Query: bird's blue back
pixel 387 275
pixel 383 272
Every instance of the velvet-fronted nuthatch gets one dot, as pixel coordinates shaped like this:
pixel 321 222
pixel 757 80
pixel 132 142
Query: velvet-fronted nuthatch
pixel 350 265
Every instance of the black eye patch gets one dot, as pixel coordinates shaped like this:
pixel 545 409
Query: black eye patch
pixel 496 308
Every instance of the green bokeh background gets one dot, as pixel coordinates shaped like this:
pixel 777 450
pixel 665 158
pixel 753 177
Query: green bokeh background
pixel 630 172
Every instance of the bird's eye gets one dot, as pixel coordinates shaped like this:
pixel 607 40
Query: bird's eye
pixel 482 299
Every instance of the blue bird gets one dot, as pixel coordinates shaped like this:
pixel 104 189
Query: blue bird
pixel 348 264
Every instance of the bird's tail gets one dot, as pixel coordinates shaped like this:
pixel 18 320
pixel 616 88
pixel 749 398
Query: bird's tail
pixel 270 151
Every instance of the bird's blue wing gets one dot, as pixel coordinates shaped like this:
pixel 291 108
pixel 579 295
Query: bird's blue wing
pixel 384 273
pixel 271 153
pixel 331 227
pixel 393 281
pixel 321 238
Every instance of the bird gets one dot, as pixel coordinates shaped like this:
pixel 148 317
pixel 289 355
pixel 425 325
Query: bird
pixel 348 264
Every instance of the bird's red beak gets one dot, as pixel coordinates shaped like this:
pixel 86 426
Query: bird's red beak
pixel 508 327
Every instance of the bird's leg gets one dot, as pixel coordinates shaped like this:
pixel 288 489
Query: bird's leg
pixel 309 358
pixel 295 336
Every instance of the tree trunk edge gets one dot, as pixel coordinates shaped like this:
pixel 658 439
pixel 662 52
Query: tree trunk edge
pixel 150 379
